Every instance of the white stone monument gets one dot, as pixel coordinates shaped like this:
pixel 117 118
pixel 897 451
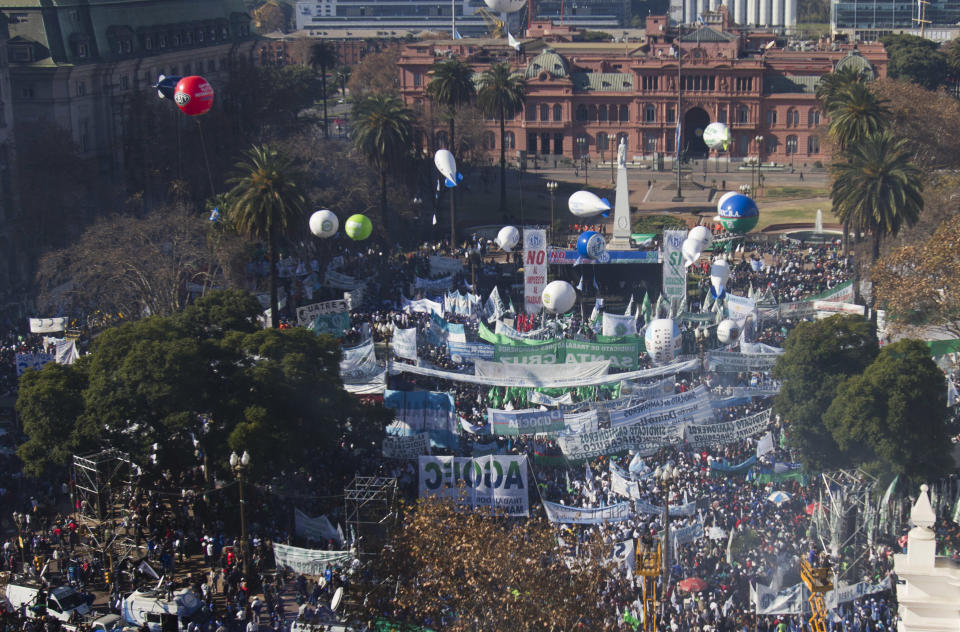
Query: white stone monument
pixel 621 207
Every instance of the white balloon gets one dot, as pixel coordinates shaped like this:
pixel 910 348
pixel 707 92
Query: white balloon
pixel 508 238
pixel 446 164
pixel 324 224
pixel 719 275
pixel 691 251
pixel 586 204
pixel 662 340
pixel 723 198
pixel 505 6
pixel 559 297
pixel 701 234
pixel 728 330
pixel 717 135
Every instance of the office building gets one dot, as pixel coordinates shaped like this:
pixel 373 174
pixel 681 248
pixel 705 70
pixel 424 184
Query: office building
pixel 869 20
pixel 392 18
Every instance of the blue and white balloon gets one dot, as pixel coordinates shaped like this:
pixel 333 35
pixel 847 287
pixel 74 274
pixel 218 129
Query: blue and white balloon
pixel 447 166
pixel 662 340
pixel 587 204
pixel 591 244
pixel 719 275
pixel 508 238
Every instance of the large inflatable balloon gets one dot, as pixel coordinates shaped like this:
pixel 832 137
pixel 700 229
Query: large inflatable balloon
pixel 738 214
pixel 587 204
pixel 717 136
pixel 723 198
pixel 559 297
pixel 691 251
pixel 446 165
pixel 358 227
pixel 719 275
pixel 166 86
pixel 728 330
pixel 591 244
pixel 193 95
pixel 702 235
pixel 505 6
pixel 324 224
pixel 662 340
pixel 508 238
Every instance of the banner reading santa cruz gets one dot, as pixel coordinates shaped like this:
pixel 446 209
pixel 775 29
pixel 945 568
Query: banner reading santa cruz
pixel 497 481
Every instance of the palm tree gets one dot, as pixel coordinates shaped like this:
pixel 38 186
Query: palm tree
pixel 264 203
pixel 832 83
pixel 383 132
pixel 878 188
pixel 323 55
pixel 451 85
pixel 501 92
pixel 855 113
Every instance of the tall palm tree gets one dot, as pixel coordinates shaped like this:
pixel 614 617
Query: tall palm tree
pixel 323 56
pixel 833 82
pixel 265 203
pixel 451 85
pixel 501 92
pixel 855 113
pixel 878 188
pixel 382 132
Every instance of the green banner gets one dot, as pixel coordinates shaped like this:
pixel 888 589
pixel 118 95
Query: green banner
pixel 334 324
pixel 622 352
pixel 546 352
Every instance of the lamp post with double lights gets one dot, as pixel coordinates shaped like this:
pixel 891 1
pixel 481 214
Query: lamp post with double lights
pixel 239 465
pixel 20 520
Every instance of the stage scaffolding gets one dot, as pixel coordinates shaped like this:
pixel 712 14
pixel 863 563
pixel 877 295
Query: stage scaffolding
pixel 370 512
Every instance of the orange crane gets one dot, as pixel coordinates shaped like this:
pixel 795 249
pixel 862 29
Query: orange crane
pixel 817 580
pixel 648 567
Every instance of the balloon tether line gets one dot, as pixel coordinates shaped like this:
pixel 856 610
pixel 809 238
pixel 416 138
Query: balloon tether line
pixel 203 144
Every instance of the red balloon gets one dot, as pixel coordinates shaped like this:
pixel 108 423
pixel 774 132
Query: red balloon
pixel 193 95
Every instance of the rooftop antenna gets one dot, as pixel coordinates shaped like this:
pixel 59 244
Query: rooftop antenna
pixel 922 19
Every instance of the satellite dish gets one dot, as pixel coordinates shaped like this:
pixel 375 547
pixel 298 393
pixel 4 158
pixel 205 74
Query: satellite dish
pixel 337 598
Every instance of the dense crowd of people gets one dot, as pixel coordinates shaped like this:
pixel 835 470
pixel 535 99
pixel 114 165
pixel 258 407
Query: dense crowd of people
pixel 181 534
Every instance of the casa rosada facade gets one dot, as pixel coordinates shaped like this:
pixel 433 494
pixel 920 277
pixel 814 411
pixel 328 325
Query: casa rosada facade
pixel 582 97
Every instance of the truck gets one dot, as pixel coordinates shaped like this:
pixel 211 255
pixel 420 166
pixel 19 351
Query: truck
pixel 63 603
pixel 162 612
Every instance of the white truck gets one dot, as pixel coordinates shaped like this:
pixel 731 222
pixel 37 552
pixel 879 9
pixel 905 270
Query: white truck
pixel 162 614
pixel 63 603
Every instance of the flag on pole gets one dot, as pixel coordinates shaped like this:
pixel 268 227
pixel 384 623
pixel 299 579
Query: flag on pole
pixel 629 310
pixel 513 41
pixel 646 307
pixel 676 141
pixel 580 284
pixel 434 219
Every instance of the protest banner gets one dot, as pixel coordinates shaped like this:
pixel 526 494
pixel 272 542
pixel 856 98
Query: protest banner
pixel 432 285
pixel 622 353
pixel 32 361
pixel 335 324
pixel 47 325
pixel 625 553
pixel 534 268
pixel 423 306
pixel 358 363
pixel 727 431
pixel 641 392
pixel 732 362
pixel 674 272
pixel 308 561
pixel 405 343
pixel 406 447
pixel 340 281
pixel 825 309
pixel 444 265
pixel 739 308
pixel 587 421
pixel 622 485
pixel 693 405
pixel 469 351
pixel 576 515
pixel 686 509
pixel 495 481
pixel 425 411
pixel 539 373
pixel 686 534
pixel 615 440
pixel 307 313
pixel 318 528
pixel 795 599
pixel 524 422
pixel 504 334
pixel 531 352
pixel 536 397
pixel 617 325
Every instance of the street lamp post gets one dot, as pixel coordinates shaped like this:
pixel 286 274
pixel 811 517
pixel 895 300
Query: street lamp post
pixel 552 188
pixel 756 169
pixel 20 519
pixel 582 151
pixel 239 464
pixel 677 139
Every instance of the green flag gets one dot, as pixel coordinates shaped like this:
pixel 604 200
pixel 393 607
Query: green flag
pixel 630 620
pixel 646 307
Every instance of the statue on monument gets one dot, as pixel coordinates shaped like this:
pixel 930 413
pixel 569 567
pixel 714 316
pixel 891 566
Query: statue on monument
pixel 622 153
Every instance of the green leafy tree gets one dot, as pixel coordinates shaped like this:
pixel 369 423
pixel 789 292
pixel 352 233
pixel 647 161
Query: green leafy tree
pixel 855 113
pixel 323 56
pixel 501 91
pixel 382 132
pixel 451 86
pixel 266 203
pixel 915 59
pixel 832 83
pixel 878 188
pixel 818 357
pixel 894 416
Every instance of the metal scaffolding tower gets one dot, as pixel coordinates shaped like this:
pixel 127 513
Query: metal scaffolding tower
pixel 370 511
pixel 846 515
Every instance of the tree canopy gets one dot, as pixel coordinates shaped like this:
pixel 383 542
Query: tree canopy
pixel 208 379
pixel 894 416
pixel 915 59
pixel 818 357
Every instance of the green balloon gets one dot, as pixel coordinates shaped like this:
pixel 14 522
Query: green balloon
pixel 358 227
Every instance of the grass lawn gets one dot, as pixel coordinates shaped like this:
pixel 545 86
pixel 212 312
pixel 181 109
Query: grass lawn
pixel 795 213
pixel 788 192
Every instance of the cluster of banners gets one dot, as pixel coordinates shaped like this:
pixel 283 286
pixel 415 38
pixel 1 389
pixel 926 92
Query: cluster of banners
pixel 497 482
pixel 424 411
pixel 794 600
pixel 621 353
pixel 308 313
pixel 406 448
pixel 360 372
pixel 461 304
pixel 308 561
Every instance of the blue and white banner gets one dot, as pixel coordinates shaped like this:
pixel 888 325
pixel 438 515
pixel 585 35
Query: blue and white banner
pixel 433 285
pixel 689 407
pixel 536 397
pixel 726 432
pixel 359 364
pixel 469 351
pixel 32 361
pixel 524 422
pixel 424 411
pixel 687 509
pixel 423 305
pixel 614 325
pixel 622 485
pixel 405 343
pixel 685 535
pixel 577 515
pixel 497 481
pixel 444 265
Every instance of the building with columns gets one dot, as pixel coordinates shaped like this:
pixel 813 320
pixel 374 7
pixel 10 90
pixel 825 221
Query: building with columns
pixel 582 97
pixel 928 585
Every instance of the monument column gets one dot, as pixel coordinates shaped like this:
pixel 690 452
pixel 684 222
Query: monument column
pixel 621 207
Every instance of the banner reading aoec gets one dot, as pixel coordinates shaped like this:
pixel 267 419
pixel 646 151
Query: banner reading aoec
pixel 496 481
